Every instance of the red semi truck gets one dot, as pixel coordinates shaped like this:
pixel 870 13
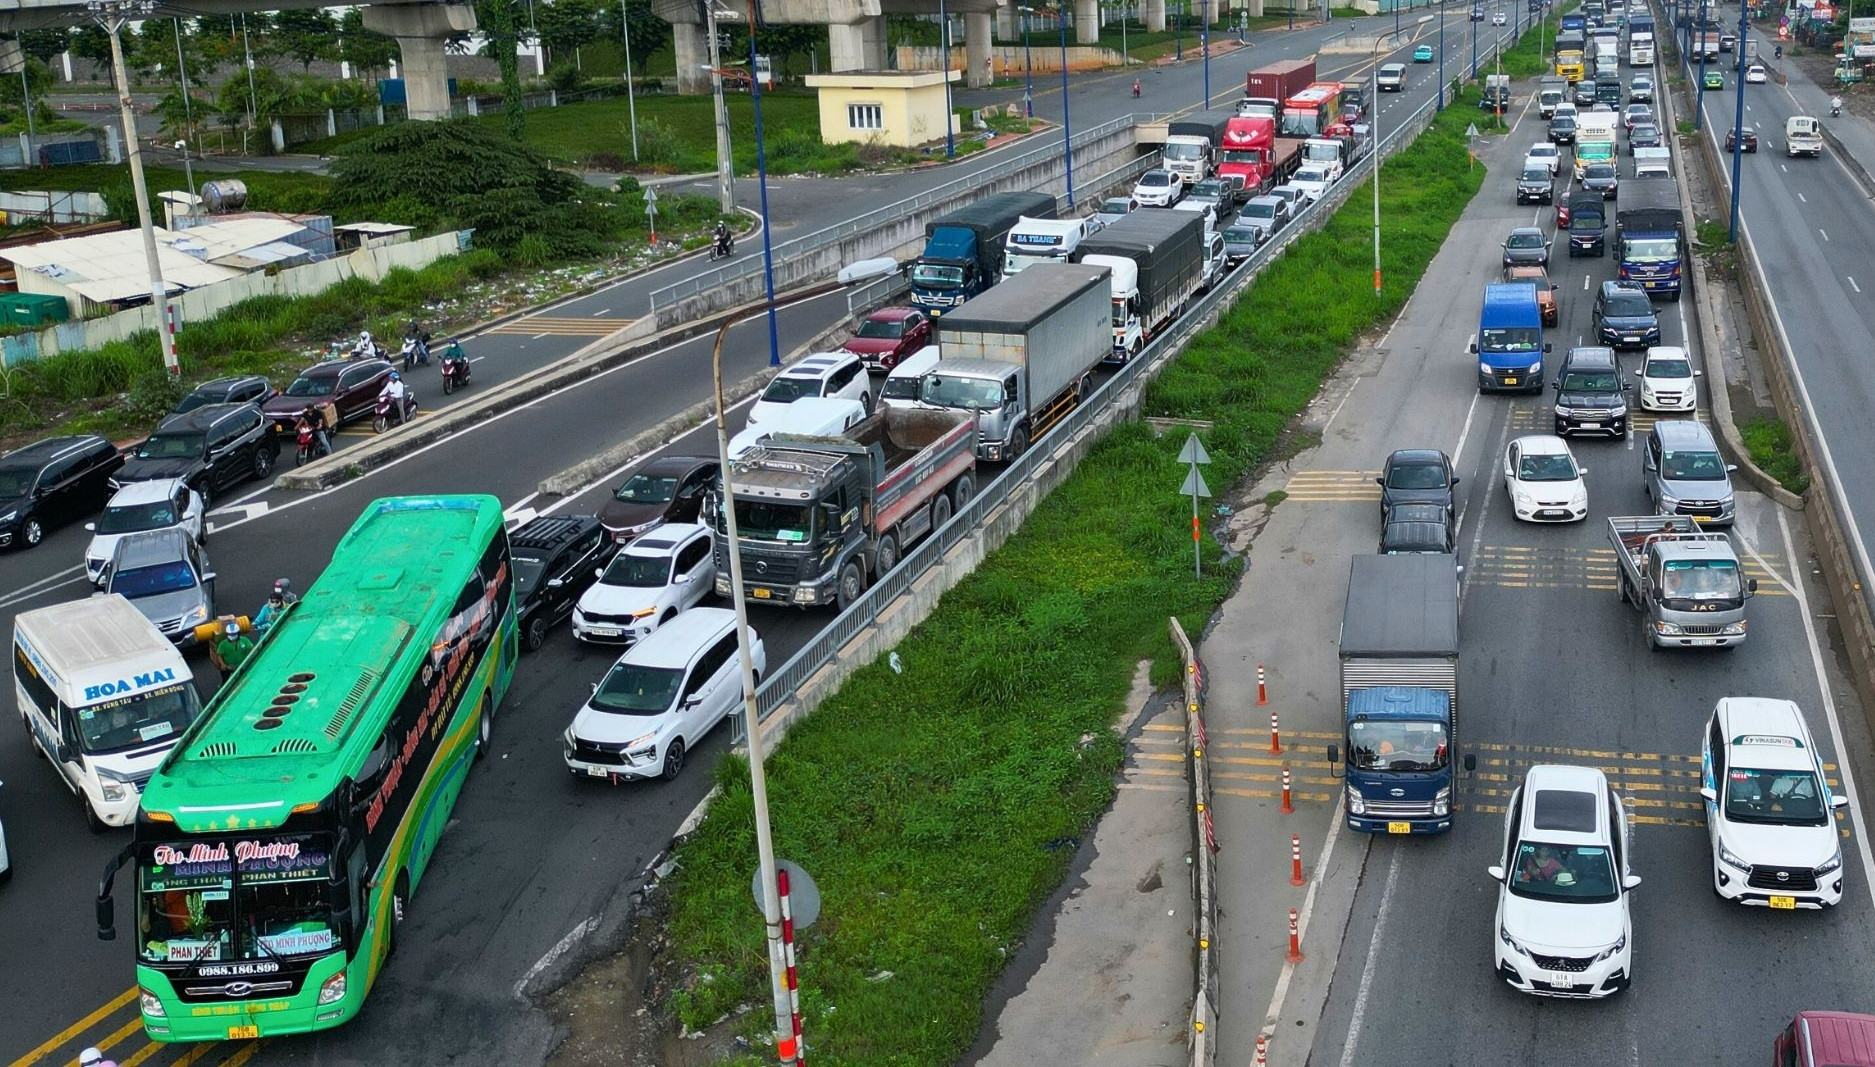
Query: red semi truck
pixel 1253 157
pixel 1279 81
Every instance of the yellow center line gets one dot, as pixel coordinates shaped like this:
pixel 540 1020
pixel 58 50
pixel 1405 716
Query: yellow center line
pixel 76 1028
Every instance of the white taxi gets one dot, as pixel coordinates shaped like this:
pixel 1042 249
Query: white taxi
pixel 1769 811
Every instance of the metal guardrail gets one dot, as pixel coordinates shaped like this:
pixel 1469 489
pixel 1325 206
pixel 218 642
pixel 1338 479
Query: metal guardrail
pixel 1204 855
pixel 779 687
pixel 742 268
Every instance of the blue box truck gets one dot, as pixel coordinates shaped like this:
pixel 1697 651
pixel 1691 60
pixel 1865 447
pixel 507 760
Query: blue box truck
pixel 1510 344
pixel 963 252
pixel 1399 694
pixel 1650 237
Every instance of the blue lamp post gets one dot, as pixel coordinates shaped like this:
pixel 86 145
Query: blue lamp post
pixel 761 175
pixel 944 64
pixel 1738 125
pixel 1067 129
pixel 1028 67
pixel 1699 106
pixel 1204 40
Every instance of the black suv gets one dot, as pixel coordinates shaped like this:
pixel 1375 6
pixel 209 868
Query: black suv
pixel 53 481
pixel 1416 476
pixel 1562 129
pixel 1624 317
pixel 1590 394
pixel 1537 186
pixel 556 557
pixel 241 389
pixel 210 448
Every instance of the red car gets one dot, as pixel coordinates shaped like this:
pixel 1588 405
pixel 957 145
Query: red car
pixel 350 385
pixel 889 335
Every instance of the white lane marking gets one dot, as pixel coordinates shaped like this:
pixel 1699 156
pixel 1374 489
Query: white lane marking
pixel 57 580
pixel 1803 198
pixel 1585 283
pixel 519 506
pixel 1829 712
pixel 1342 404
pixel 1459 449
pixel 538 336
pixel 602 311
pixel 560 948
pixel 1367 969
pixel 1824 232
pixel 1281 993
pixel 1852 283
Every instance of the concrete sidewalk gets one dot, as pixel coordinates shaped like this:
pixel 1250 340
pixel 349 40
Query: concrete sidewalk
pixel 1106 980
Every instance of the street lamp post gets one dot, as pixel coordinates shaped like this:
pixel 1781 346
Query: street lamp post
pixel 758 774
pixel 1442 83
pixel 113 16
pixel 944 64
pixel 1377 159
pixel 1067 128
pixel 631 94
pixel 761 183
pixel 1699 105
pixel 1738 125
pixel 1204 40
pixel 1474 46
pixel 725 175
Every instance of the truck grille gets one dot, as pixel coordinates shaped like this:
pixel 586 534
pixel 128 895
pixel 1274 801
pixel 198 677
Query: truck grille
pixel 1572 964
pixel 1399 807
pixel 1702 631
pixel 1782 879
pixel 760 567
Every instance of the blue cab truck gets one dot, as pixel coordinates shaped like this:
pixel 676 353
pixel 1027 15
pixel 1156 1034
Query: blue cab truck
pixel 1399 694
pixel 963 251
pixel 1650 237
pixel 1510 344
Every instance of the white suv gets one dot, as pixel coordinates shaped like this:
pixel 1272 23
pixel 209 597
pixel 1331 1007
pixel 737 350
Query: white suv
pixel 652 579
pixel 1563 886
pixel 660 698
pixel 1769 811
pixel 1667 380
pixel 824 374
pixel 153 505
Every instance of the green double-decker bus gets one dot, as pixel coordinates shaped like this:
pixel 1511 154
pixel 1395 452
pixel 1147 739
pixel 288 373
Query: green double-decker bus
pixel 278 844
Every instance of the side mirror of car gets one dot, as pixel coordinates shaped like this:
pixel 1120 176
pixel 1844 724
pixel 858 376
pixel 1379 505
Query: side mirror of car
pixel 1382 482
pixel 681 579
pixel 91 527
pixel 1454 479
pixel 1556 385
pixel 1837 800
pixel 1497 873
pixel 1474 348
pixel 1334 761
pixel 1547 346
pixel 598 572
pixel 1632 881
pixel 1625 386
pixel 1730 467
pixel 1751 585
pixel 1709 794
pixel 1582 472
pixel 208 577
pixel 555 583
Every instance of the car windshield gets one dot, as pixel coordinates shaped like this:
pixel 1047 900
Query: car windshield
pixel 787 389
pixel 1115 205
pixel 1701 579
pixel 1155 178
pixel 193 401
pixel 1779 798
pixel 1525 240
pixel 764 521
pixel 1416 476
pixel 1536 174
pixel 527 571
pixel 1391 745
pixel 1566 874
pixel 1208 190
pixel 1658 250
pixel 638 571
pixel 129 518
pixel 206 901
pixel 634 689
pixel 1542 151
pixel 1628 305
pixel 937 275
pixel 1510 339
pixel 1668 368
pixel 1591 381
pixel 1645 133
pixel 171 446
pixel 890 329
pixel 972 394
pixel 647 489
pixel 17 481
pixel 1699 466
pixel 1309 174
pixel 138 582
pixel 1255 210
pixel 310 386
pixel 1182 150
pixel 135 722
pixel 1546 468
pixel 1599 171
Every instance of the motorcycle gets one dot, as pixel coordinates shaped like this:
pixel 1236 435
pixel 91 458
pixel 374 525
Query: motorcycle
pixel 1835 110
pixel 382 420
pixel 308 446
pixel 724 247
pixel 455 373
pixel 416 351
pixel 1136 90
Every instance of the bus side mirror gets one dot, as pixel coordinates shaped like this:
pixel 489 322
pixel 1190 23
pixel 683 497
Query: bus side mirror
pixel 1751 585
pixel 107 918
pixel 1471 763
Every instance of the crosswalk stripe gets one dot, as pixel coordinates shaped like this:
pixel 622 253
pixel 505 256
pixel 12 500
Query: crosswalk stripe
pixel 569 327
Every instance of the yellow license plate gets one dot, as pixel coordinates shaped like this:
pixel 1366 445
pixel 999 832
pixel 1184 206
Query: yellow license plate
pixel 1786 903
pixel 760 594
pixel 1399 827
pixel 241 1033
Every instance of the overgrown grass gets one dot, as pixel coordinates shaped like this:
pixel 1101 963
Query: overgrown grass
pixel 1768 440
pixel 938 808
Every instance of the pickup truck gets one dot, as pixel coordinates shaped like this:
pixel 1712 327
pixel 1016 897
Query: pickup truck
pixel 1686 582
pixel 1803 135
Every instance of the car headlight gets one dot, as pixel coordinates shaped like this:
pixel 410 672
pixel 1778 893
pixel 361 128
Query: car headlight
pixel 151 1004
pixel 1620 943
pixel 1731 859
pixel 1563 412
pixel 1484 368
pixel 195 614
pixel 1667 629
pixel 1357 805
pixel 1832 864
pixel 1511 942
pixel 1442 802
pixel 112 791
pixel 1536 368
pixel 10 516
pixel 332 990
pixel 644 746
pixel 1666 500
pixel 569 738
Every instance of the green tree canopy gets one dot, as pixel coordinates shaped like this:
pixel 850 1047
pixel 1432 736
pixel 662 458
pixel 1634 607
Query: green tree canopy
pixel 305 35
pixel 568 25
pixel 47 43
pixel 650 34
pixel 367 51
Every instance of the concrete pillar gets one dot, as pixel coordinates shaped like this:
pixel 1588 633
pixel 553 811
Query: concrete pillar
pixel 1008 23
pixel 421 32
pixel 1086 21
pixel 692 49
pixel 977 50
pixel 860 46
pixel 1155 16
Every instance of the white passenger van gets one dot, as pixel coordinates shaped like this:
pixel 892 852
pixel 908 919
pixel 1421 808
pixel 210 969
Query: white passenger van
pixel 901 386
pixel 105 696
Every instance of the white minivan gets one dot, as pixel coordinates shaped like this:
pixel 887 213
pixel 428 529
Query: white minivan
pixel 809 417
pixel 104 695
pixel 900 389
pixel 1770 814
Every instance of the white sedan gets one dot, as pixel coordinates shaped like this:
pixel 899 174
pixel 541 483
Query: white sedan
pixel 1667 380
pixel 1543 154
pixel 652 579
pixel 1158 188
pixel 1543 480
pixel 1313 181
pixel 1755 74
pixel 1497 18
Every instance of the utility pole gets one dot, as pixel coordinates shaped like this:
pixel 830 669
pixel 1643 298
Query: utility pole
pixel 725 174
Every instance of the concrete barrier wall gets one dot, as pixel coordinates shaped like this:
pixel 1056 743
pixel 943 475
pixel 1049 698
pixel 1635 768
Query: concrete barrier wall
pixel 902 238
pixel 200 305
pixel 1043 56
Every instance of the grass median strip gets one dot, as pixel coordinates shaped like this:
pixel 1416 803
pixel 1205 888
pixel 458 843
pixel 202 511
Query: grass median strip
pixel 938 808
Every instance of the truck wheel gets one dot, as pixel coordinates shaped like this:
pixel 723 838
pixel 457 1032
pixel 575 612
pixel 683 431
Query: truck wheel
pixel 940 512
pixel 1647 634
pixel 885 557
pixel 963 491
pixel 1018 444
pixel 852 584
